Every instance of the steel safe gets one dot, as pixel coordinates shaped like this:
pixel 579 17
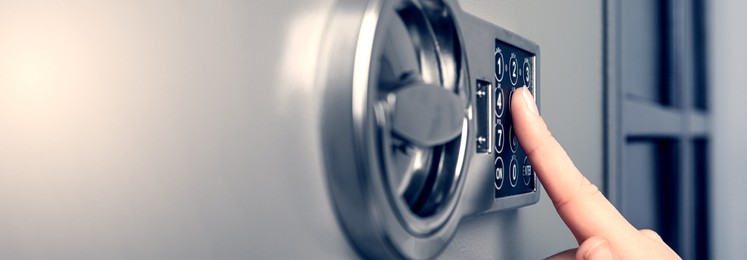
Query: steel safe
pixel 207 129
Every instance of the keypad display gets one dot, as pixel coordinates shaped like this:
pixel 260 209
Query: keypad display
pixel 514 68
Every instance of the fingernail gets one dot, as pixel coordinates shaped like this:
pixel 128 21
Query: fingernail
pixel 599 251
pixel 529 101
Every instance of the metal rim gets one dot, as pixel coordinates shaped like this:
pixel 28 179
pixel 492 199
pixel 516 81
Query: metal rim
pixel 374 215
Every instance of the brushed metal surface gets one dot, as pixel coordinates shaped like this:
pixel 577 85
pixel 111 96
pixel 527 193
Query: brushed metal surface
pixel 162 130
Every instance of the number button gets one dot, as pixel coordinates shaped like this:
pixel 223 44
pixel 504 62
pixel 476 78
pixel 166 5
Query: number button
pixel 499 103
pixel 527 73
pixel 513 69
pixel 512 138
pixel 513 172
pixel 500 137
pixel 499 65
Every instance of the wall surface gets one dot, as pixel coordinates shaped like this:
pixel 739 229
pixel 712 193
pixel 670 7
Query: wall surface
pixel 727 99
pixel 569 34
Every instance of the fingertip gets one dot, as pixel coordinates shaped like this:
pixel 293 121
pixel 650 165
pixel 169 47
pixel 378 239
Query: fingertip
pixel 523 101
pixel 529 126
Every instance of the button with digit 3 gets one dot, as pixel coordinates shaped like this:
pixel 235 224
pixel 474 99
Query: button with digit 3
pixel 527 68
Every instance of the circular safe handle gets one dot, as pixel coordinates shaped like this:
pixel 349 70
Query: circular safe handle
pixel 397 140
pixel 426 115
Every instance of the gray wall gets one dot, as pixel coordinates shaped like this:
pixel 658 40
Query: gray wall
pixel 570 37
pixel 727 99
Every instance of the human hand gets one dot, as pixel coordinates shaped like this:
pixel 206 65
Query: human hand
pixel 601 231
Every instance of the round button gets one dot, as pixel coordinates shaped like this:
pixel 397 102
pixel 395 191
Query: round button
pixel 499 170
pixel 513 69
pixel 513 140
pixel 527 171
pixel 500 65
pixel 499 104
pixel 527 68
pixel 513 172
pixel 500 136
pixel 508 99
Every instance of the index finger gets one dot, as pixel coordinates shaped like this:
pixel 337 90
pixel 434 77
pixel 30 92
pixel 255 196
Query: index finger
pixel 579 202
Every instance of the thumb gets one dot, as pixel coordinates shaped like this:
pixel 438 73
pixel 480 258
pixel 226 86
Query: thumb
pixel 594 248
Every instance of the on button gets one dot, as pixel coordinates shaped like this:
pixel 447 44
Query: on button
pixel 499 173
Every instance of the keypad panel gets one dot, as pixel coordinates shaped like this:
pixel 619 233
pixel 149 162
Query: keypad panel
pixel 514 68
